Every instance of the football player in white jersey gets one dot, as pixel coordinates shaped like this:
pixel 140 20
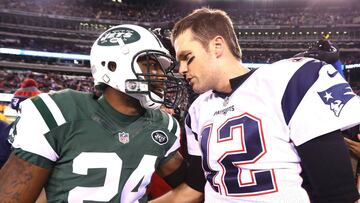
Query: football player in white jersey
pixel 82 148
pixel 255 131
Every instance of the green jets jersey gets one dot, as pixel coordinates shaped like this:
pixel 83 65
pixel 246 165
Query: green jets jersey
pixel 95 153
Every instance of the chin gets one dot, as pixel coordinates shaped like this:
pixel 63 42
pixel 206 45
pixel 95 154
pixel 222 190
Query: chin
pixel 198 91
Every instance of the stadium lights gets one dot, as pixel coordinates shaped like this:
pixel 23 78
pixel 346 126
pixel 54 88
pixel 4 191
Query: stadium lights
pixel 351 66
pixel 23 52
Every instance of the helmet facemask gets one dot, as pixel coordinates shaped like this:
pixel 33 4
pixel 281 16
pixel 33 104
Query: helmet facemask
pixel 155 79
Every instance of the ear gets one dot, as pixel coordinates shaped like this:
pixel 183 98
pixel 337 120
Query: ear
pixel 219 46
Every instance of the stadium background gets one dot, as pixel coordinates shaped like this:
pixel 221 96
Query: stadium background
pixel 50 40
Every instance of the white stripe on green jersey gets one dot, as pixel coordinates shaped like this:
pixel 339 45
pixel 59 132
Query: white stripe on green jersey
pixel 33 122
pixel 54 109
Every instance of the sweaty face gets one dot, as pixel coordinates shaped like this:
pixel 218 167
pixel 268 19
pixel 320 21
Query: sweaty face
pixel 194 61
pixel 153 71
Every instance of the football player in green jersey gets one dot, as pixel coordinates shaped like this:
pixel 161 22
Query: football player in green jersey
pixel 83 149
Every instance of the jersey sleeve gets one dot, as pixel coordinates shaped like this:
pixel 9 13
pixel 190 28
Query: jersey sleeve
pixel 191 130
pixel 328 104
pixel 39 115
pixel 174 128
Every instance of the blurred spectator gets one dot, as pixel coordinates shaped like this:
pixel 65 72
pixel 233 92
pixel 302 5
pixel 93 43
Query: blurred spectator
pixel 28 88
pixel 5 147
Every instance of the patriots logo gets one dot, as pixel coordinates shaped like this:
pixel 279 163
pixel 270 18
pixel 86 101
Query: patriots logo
pixel 337 96
pixel 123 137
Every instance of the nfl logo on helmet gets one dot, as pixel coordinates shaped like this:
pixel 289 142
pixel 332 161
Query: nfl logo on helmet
pixel 123 137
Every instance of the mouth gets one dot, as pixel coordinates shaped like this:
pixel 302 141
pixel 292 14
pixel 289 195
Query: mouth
pixel 158 92
pixel 188 79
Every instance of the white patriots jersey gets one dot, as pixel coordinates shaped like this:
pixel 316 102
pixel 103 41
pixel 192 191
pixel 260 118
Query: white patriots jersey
pixel 247 140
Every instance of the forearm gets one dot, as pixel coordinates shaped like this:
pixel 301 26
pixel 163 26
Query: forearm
pixel 21 182
pixel 182 194
pixel 326 162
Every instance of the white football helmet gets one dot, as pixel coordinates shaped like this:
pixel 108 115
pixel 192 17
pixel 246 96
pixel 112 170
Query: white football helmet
pixel 114 62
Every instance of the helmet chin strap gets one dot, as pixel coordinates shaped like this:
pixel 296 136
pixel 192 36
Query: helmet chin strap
pixel 146 102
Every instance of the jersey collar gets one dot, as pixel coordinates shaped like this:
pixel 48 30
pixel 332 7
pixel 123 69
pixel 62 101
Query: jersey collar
pixel 234 83
pixel 114 113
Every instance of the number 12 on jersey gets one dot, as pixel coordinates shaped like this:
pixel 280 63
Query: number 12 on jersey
pixel 239 141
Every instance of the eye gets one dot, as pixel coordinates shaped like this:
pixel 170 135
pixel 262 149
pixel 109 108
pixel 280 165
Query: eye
pixel 153 64
pixel 188 61
pixel 188 58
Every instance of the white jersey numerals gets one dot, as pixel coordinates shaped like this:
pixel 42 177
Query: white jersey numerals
pixel 113 165
pixel 141 174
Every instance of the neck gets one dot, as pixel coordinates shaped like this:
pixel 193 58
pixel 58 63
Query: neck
pixel 122 102
pixel 230 69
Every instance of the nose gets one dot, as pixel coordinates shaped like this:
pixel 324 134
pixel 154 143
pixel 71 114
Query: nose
pixel 183 68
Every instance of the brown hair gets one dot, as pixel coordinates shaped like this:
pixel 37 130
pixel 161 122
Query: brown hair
pixel 207 23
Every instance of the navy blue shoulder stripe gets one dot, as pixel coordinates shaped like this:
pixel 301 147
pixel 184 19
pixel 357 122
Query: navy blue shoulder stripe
pixel 297 87
pixel 188 123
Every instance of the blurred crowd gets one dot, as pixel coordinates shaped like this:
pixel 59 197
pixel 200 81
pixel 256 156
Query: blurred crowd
pixel 10 81
pixel 248 57
pixel 162 10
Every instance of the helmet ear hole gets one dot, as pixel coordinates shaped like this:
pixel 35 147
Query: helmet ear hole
pixel 111 66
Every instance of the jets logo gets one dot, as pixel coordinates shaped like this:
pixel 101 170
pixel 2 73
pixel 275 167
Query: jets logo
pixel 336 97
pixel 112 37
pixel 159 137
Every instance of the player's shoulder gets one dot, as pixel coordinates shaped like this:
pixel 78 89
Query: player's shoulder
pixel 297 63
pixel 67 103
pixel 162 120
pixel 68 96
pixel 292 69
pixel 203 97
